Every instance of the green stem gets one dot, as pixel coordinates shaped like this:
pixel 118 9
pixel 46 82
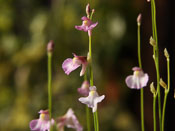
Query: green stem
pixel 164 107
pixel 96 124
pixel 154 111
pixel 138 44
pixel 142 108
pixel 156 59
pixel 88 119
pixel 87 109
pixel 90 62
pixel 50 83
pixel 141 91
pixel 166 94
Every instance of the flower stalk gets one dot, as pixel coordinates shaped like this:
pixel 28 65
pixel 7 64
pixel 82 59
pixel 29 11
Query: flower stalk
pixel 152 89
pixel 96 124
pixel 166 87
pixel 156 57
pixel 50 47
pixel 140 65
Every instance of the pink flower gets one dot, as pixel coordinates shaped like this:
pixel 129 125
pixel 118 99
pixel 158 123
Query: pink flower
pixel 69 120
pixel 93 98
pixel 43 123
pixel 84 89
pixel 87 25
pixel 70 64
pixel 138 80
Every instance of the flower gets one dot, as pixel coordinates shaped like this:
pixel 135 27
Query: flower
pixel 70 64
pixel 138 80
pixel 69 120
pixel 43 123
pixel 84 89
pixel 93 98
pixel 87 25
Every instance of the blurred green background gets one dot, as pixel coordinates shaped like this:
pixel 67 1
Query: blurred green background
pixel 26 26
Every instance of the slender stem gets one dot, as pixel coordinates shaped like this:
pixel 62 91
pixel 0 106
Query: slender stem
pixel 88 119
pixel 90 62
pixel 156 54
pixel 50 86
pixel 87 109
pixel 154 111
pixel 96 124
pixel 141 91
pixel 142 108
pixel 166 94
pixel 50 83
pixel 163 110
pixel 96 114
pixel 138 44
pixel 95 121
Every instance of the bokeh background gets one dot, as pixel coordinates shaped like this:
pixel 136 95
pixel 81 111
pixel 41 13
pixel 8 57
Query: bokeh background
pixel 26 26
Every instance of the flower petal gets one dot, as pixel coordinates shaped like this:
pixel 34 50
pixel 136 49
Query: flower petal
pixel 92 26
pixel 144 80
pixel 68 66
pixel 34 125
pixel 83 70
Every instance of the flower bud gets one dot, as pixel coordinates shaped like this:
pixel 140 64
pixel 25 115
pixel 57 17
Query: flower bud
pixel 166 53
pixel 88 10
pixel 148 0
pixel 152 89
pixel 152 41
pixel 163 84
pixel 50 46
pixel 139 19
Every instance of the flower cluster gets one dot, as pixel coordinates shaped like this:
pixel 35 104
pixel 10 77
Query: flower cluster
pixel 44 122
pixel 91 97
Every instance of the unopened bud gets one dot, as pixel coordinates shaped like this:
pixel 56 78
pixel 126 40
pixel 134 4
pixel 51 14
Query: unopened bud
pixel 148 0
pixel 139 18
pixel 88 10
pixel 152 41
pixel 93 11
pixel 163 84
pixel 166 53
pixel 50 46
pixel 152 89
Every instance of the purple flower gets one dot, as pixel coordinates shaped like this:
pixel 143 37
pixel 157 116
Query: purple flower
pixel 70 64
pixel 87 25
pixel 84 89
pixel 43 123
pixel 138 80
pixel 93 98
pixel 69 120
